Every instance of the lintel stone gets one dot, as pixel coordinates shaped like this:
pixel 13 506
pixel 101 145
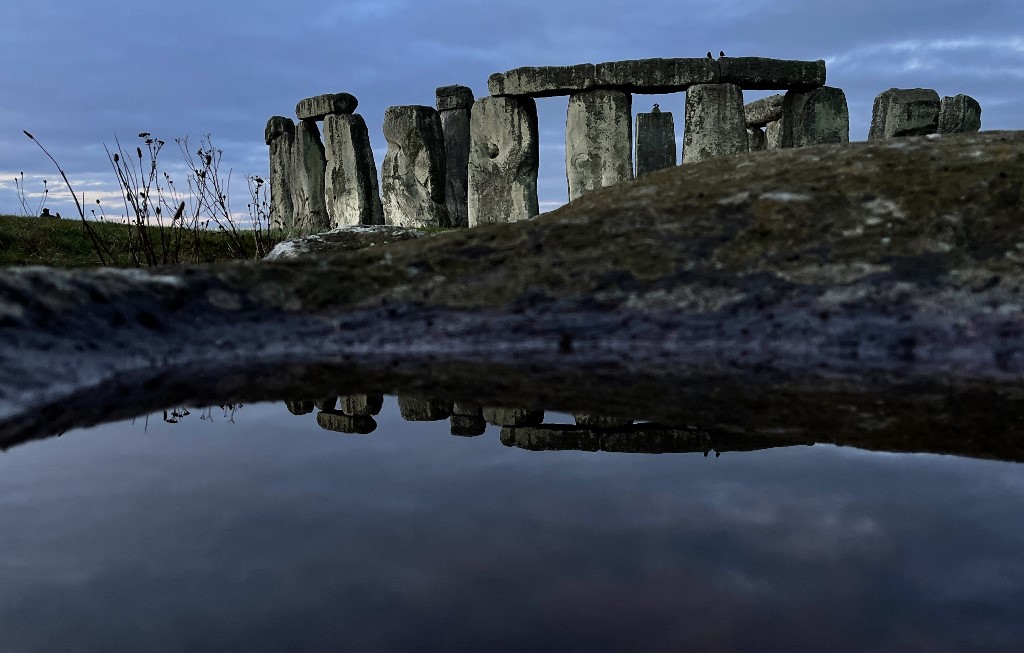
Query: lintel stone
pixel 315 108
pixel 760 73
pixel 761 112
pixel 659 76
pixel 543 81
pixel 656 75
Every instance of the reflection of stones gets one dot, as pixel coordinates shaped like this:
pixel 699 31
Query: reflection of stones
pixel 334 420
pixel 327 403
pixel 362 404
pixel 638 438
pixel 468 425
pixel 421 409
pixel 301 407
pixel 513 416
pixel 600 421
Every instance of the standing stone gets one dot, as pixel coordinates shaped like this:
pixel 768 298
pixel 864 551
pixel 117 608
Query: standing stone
pixel 755 139
pixel 904 112
pixel 334 420
pixel 959 113
pixel 350 181
pixel 455 104
pixel 308 165
pixel 715 122
pixel 773 135
pixel 422 409
pixel 280 136
pixel 598 140
pixel 357 405
pixel 513 416
pixel 412 177
pixel 655 141
pixel 503 160
pixel 815 117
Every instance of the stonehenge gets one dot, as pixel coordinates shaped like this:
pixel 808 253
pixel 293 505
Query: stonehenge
pixel 503 160
pixel 959 113
pixel 455 104
pixel 918 111
pixel 598 140
pixel 715 123
pixel 815 117
pixel 412 176
pixel 469 161
pixel 350 179
pixel 655 141
pixel 315 184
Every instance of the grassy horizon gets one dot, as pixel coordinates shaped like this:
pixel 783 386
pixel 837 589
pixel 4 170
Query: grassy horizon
pixel 64 243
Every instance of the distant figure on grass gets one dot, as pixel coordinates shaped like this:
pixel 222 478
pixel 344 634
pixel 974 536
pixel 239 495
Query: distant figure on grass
pixel 46 214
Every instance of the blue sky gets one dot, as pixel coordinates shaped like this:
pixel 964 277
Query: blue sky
pixel 77 73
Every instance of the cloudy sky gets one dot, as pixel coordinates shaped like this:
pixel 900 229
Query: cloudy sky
pixel 77 73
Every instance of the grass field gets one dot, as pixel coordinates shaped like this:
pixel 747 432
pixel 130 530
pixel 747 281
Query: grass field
pixel 65 243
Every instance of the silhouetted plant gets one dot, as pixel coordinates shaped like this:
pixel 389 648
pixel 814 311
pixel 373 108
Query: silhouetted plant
pixel 149 195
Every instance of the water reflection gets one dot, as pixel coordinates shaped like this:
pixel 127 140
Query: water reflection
pixel 271 533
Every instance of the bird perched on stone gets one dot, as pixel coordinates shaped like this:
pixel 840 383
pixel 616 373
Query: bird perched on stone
pixel 721 53
pixel 656 109
pixel 709 56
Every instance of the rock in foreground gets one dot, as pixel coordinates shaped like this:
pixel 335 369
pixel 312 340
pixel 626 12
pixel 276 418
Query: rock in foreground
pixel 868 290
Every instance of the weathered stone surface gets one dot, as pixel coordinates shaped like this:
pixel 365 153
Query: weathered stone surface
pixel 341 239
pixel 544 81
pixel 320 106
pixel 325 403
pixel 815 117
pixel 308 166
pixel 455 125
pixel 466 409
pixel 655 142
pixel 513 416
pixel 904 112
pixel 503 160
pixel 659 76
pixel 468 426
pixel 333 420
pixel 773 135
pixel 816 294
pixel 656 75
pixel 715 122
pixel 280 136
pixel 356 405
pixel 350 179
pixel 453 97
pixel 412 177
pixel 300 407
pixel 761 112
pixel 958 114
pixel 278 126
pixel 598 140
pixel 590 420
pixel 755 139
pixel 639 438
pixel 759 73
pixel 423 409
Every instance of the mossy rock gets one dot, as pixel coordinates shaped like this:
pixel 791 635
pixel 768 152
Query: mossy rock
pixel 861 291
